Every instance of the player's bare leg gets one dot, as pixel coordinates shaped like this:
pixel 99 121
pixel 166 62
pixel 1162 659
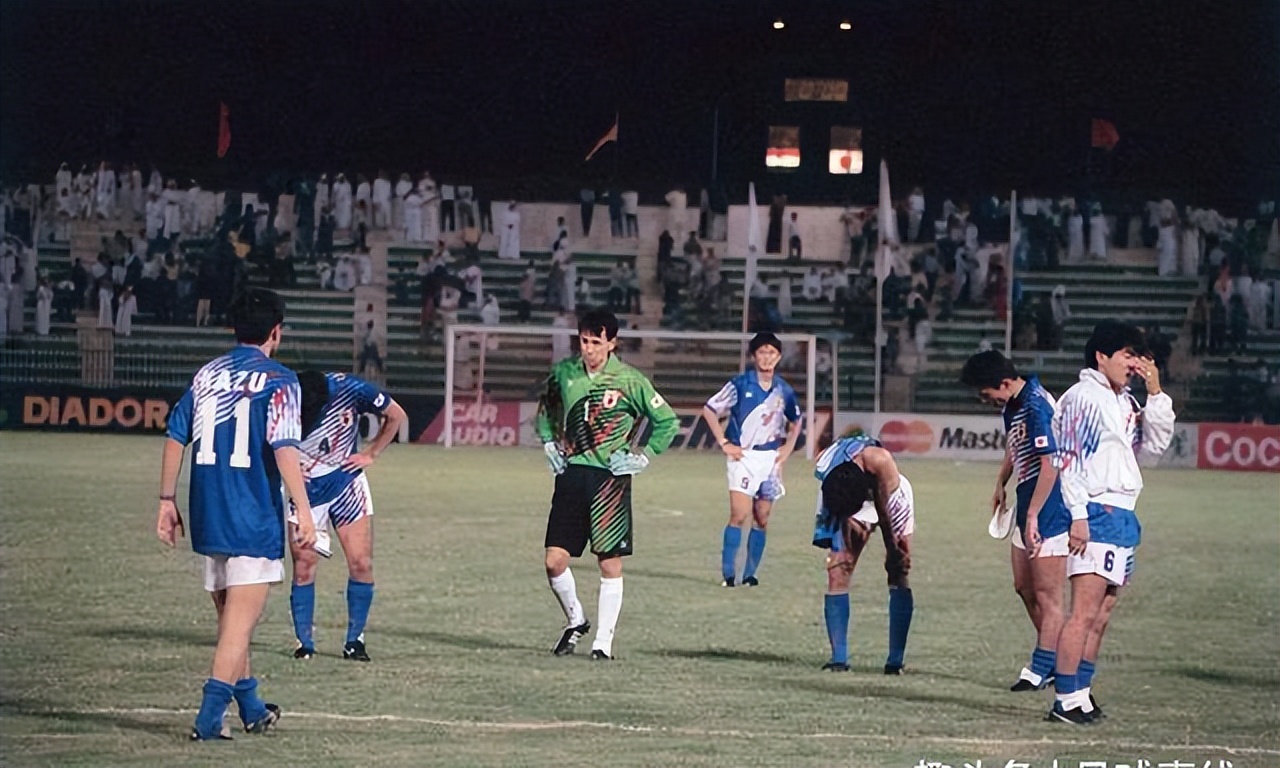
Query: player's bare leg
pixel 1093 645
pixel 760 510
pixel 302 598
pixel 566 591
pixel 740 508
pixel 610 606
pixel 1088 591
pixel 1024 583
pixel 835 606
pixel 239 609
pixel 357 546
pixel 1046 576
pixel 897 567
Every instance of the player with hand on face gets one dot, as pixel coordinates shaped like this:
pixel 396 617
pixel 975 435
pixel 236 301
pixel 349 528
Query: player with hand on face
pixel 1101 432
pixel 591 419
pixel 764 424
pixel 242 413
pixel 1039 548
pixel 862 489
pixel 338 489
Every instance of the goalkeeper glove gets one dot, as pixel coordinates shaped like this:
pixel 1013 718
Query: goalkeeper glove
pixel 627 463
pixel 555 457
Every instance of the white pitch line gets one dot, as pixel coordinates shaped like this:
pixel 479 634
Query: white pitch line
pixel 564 725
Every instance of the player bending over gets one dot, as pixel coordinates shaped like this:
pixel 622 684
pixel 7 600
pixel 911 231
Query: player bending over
pixel 1039 552
pixel 241 411
pixel 338 489
pixel 591 420
pixel 764 423
pixel 862 489
pixel 1101 430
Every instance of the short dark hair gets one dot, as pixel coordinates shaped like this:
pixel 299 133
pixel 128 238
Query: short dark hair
pixel 845 489
pixel 986 370
pixel 764 340
pixel 599 321
pixel 1111 336
pixel 315 393
pixel 254 313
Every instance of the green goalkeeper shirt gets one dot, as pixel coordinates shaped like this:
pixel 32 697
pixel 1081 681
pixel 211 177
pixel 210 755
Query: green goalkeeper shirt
pixel 593 417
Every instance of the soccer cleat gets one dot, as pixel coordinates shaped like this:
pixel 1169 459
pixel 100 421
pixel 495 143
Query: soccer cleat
pixel 751 581
pixel 727 582
pixel 266 722
pixel 569 638
pixel 1076 716
pixel 835 666
pixel 223 734
pixel 304 652
pixel 893 669
pixel 354 651
pixel 599 655
pixel 1097 709
pixel 1027 681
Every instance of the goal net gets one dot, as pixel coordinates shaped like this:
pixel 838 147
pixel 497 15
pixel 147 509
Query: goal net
pixel 495 373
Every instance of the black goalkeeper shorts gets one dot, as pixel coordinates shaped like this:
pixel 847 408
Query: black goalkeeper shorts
pixel 590 504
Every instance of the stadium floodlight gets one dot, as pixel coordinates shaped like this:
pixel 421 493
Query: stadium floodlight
pixel 846 25
pixel 490 363
pixel 778 23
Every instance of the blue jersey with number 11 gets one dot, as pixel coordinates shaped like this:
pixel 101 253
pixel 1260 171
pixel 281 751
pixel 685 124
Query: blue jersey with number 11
pixel 240 408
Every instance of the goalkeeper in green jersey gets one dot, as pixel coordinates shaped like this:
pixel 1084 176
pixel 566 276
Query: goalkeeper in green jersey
pixel 593 417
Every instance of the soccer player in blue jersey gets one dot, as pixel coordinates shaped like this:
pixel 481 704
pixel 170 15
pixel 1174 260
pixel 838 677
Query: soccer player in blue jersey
pixel 1039 552
pixel 242 412
pixel 862 489
pixel 338 489
pixel 764 424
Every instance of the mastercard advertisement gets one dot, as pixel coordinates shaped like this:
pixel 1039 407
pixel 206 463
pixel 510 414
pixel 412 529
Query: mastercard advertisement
pixel 930 435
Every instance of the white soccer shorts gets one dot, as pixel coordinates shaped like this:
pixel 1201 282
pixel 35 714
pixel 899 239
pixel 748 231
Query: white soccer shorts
pixel 353 503
pixel 902 510
pixel 1054 546
pixel 1113 563
pixel 221 571
pixel 756 475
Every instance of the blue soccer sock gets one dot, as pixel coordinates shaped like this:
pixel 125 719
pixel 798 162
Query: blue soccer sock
pixel 1084 673
pixel 835 609
pixel 302 605
pixel 901 607
pixel 359 598
pixel 1042 662
pixel 247 701
pixel 729 551
pixel 755 551
pixel 217 697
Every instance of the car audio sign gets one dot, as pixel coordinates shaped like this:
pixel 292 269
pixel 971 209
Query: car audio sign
pixel 931 435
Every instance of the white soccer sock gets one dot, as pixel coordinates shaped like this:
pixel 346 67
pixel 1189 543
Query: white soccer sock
pixel 1082 699
pixel 567 593
pixel 610 607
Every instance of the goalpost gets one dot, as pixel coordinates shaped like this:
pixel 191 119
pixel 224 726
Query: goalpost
pixel 485 363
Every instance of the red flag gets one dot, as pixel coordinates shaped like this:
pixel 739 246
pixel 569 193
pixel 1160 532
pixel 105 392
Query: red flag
pixel 610 135
pixel 224 129
pixel 1104 134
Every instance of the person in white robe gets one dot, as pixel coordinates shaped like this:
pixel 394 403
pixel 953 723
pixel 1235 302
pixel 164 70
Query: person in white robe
pixel 364 194
pixel 106 191
pixel 105 317
pixel 124 202
pixel 491 313
pixel 344 275
pixel 473 281
pixel 832 281
pixel 1075 237
pixel 155 182
pixel 322 196
pixel 404 185
pixel 172 209
pixel 381 201
pixel 17 314
pixel 44 307
pixel 84 190
pixel 1167 248
pixel 561 341
pixel 509 240
pixel 1189 258
pixel 1098 231
pixel 811 287
pixel 677 210
pixel 412 214
pixel 342 202
pixel 1257 301
pixel 138 194
pixel 190 204
pixel 783 286
pixel 430 207
pixel 155 216
pixel 364 267
pixel 62 180
pixel 124 314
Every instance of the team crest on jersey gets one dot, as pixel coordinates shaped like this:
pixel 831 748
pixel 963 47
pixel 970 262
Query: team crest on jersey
pixel 611 398
pixel 346 418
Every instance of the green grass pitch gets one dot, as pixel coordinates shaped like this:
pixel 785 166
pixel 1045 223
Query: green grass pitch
pixel 107 635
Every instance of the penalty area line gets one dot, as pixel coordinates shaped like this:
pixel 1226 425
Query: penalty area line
pixel 567 725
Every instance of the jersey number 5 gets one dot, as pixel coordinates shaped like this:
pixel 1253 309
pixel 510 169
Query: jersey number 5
pixel 205 453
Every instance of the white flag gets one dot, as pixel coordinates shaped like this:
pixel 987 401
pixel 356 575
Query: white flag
pixel 887 221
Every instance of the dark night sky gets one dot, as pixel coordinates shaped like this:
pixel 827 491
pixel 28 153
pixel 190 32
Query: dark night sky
pixel 962 95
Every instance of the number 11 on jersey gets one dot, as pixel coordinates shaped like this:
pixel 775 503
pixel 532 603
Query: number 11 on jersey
pixel 205 453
